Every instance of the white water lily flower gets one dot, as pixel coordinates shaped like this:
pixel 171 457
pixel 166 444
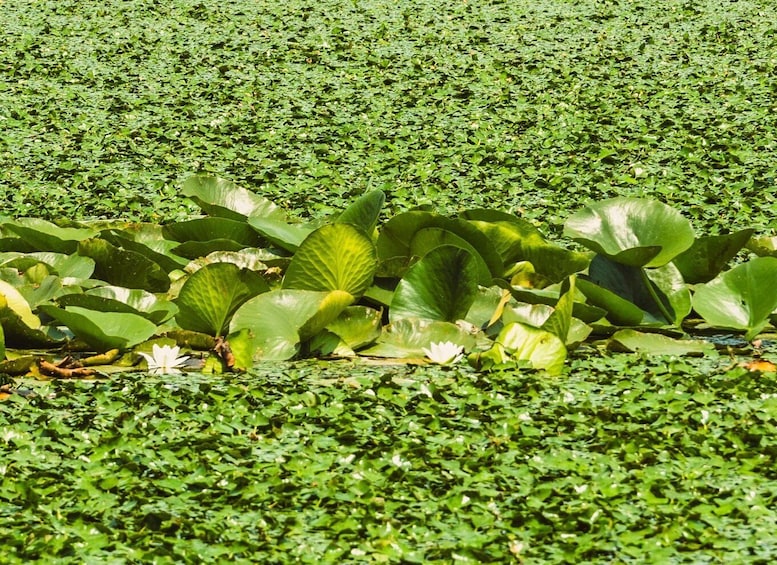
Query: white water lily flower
pixel 165 360
pixel 444 352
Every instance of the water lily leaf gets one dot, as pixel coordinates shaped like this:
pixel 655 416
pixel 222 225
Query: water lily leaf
pixel 220 197
pixel 11 299
pixel 763 246
pixel 210 296
pixel 516 240
pixel 120 299
pixel 328 310
pixel 197 249
pixel 357 326
pixel 586 312
pixel 149 242
pixel 427 239
pixel 209 229
pixel 407 338
pixel 519 344
pixel 334 257
pixel 274 319
pixel 397 234
pixel 441 286
pixel 741 298
pixel 283 234
pixel 364 211
pixel 45 236
pixel 631 231
pixel 620 311
pixel 559 322
pixel 66 266
pixel 103 330
pixel 124 268
pixel 657 344
pixel 709 255
pixel 661 293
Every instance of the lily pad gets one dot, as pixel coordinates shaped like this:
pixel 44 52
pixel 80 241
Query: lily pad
pixel 210 296
pixel 519 344
pixel 283 234
pixel 124 268
pixel 740 299
pixel 709 255
pixel 45 236
pixel 408 337
pixel 334 257
pixel 364 211
pixel 272 322
pixel 441 286
pixel 657 344
pixel 220 197
pixel 103 330
pixel 632 231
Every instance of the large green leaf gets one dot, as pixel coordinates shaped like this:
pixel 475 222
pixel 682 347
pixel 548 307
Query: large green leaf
pixel 103 330
pixel 441 286
pixel 357 326
pixel 283 234
pixel 709 255
pixel 334 257
pixel 147 240
pixel 620 311
pixel 14 301
pixel 45 236
pixel 208 229
pixel 632 231
pixel 408 337
pixel 657 344
pixel 124 268
pixel 220 197
pixel 661 292
pixel 210 296
pixel 397 234
pixel 517 240
pixel 271 322
pixel 120 299
pixel 427 239
pixel 364 211
pixel 518 344
pixel 741 298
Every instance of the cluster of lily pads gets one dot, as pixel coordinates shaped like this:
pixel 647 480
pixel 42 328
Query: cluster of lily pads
pixel 245 283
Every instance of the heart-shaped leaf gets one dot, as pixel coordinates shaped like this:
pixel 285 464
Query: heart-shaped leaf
pixel 220 197
pixel 709 255
pixel 209 297
pixel 124 268
pixel 441 286
pixel 274 320
pixel 364 211
pixel 103 330
pixel 45 236
pixel 408 337
pixel 657 344
pixel 517 344
pixel 740 299
pixel 334 257
pixel 631 231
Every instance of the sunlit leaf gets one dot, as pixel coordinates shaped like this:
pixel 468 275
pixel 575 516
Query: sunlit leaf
pixel 334 257
pixel 441 286
pixel 631 231
pixel 212 294
pixel 740 299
